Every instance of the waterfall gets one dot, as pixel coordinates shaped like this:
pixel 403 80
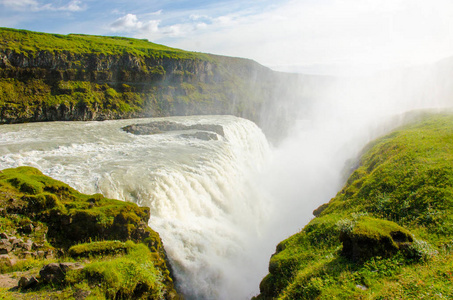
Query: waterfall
pixel 204 200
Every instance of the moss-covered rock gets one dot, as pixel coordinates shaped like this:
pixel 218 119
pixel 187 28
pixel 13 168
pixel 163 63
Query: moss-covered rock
pixel 371 237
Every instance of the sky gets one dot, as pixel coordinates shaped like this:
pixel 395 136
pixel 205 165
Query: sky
pixel 311 36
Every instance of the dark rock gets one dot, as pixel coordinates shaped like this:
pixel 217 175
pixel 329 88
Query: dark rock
pixel 26 283
pixel 165 126
pixel 55 273
pixel 3 235
pixel 320 209
pixel 27 229
pixel 52 273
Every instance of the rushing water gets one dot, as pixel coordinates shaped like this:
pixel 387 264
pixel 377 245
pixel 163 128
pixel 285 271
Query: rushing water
pixel 202 197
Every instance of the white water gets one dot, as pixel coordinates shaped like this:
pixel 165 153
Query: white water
pixel 203 201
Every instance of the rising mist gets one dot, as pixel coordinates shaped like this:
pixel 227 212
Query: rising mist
pixel 335 119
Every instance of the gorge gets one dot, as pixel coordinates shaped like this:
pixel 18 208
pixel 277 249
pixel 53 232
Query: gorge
pixel 221 205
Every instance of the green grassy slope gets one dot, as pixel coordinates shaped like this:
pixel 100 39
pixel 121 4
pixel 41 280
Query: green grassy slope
pixel 30 42
pixel 388 234
pixel 122 256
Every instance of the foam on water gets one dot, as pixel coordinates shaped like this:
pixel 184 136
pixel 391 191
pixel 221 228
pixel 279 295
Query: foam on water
pixel 202 197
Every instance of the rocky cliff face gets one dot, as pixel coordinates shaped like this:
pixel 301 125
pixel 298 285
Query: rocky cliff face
pixel 83 79
pixel 165 86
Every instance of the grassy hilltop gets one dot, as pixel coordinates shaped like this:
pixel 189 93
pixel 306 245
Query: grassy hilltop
pixel 29 43
pixel 56 243
pixel 388 234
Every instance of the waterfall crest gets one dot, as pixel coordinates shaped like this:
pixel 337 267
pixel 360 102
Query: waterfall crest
pixel 203 199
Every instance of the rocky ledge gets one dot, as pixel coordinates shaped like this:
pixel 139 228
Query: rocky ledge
pixel 59 243
pixel 207 131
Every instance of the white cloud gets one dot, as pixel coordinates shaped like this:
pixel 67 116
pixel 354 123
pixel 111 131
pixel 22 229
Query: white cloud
pixel 130 23
pixel 35 6
pixel 336 32
pixel 331 32
pixel 19 4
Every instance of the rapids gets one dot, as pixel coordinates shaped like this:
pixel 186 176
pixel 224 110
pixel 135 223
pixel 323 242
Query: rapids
pixel 204 202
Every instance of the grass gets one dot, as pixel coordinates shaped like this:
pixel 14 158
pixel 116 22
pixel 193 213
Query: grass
pixel 400 197
pixel 132 275
pixel 29 42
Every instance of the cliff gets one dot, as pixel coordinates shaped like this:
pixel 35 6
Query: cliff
pixel 58 243
pixel 48 77
pixel 387 234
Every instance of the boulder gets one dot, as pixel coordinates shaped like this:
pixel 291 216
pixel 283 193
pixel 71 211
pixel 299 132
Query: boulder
pixel 372 237
pixel 26 283
pixel 55 273
pixel 52 273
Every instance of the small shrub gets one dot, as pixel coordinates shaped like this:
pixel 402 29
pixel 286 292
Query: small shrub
pixel 345 225
pixel 421 250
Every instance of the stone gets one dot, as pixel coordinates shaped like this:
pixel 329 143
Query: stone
pixel 55 273
pixel 40 254
pixel 50 254
pixel 27 246
pixel 52 273
pixel 65 266
pixel 5 246
pixel 26 283
pixel 36 245
pixel 7 260
pixel 80 294
pixel 15 242
pixel 362 287
pixel 3 235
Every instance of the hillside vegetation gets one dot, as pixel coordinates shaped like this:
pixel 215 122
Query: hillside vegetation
pixel 388 234
pixel 61 244
pixel 29 43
